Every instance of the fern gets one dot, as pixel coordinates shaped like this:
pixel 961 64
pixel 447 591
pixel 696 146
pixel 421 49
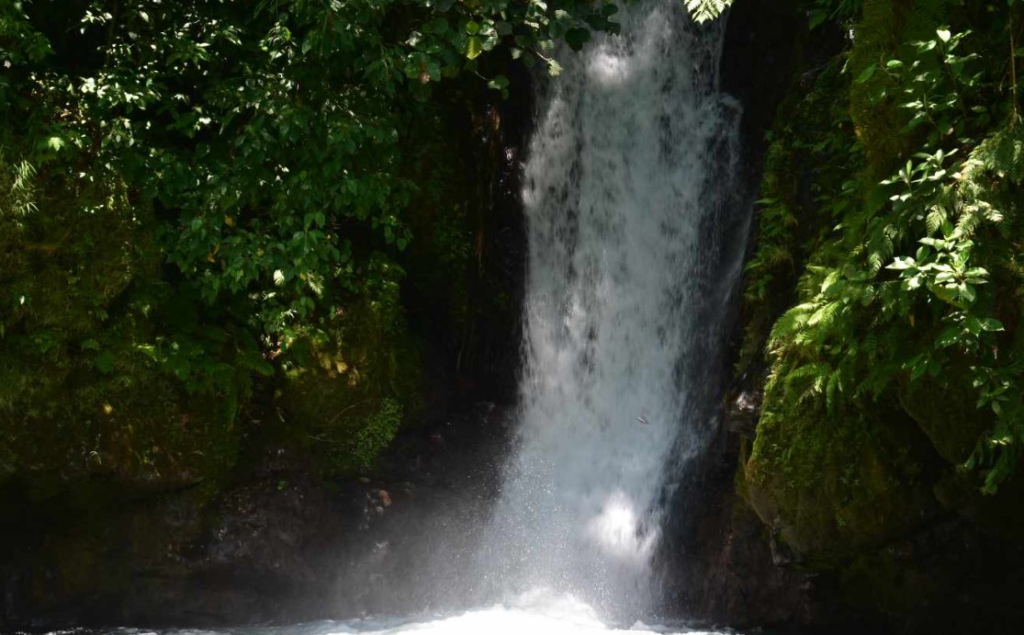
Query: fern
pixel 704 10
pixel 17 189
pixel 935 219
pixel 1002 153
pixel 791 322
pixel 825 317
pixel 832 388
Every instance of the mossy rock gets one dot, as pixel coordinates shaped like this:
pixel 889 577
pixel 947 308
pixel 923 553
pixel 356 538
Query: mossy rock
pixel 884 28
pixel 832 484
pixel 147 433
pixel 106 409
pixel 102 543
pixel 348 388
pixel 947 414
pixel 81 272
pixel 883 583
pixel 877 36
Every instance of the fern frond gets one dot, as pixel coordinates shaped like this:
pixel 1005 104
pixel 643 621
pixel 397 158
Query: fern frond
pixel 1001 153
pixel 704 10
pixel 810 379
pixel 834 385
pixel 791 322
pixel 825 317
pixel 971 217
pixel 936 217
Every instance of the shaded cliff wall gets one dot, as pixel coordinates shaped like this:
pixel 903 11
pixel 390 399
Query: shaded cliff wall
pixel 856 513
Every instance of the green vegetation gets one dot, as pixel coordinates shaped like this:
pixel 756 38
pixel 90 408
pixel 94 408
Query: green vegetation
pixel 198 197
pixel 909 238
pixel 886 289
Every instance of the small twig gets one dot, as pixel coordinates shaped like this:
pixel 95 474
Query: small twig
pixel 343 411
pixel 1013 72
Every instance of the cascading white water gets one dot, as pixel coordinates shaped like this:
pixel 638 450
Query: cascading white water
pixel 627 185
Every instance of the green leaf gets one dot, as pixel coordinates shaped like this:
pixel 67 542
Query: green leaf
pixel 500 82
pixel 901 264
pixel 991 324
pixel 867 73
pixel 105 362
pixel 474 47
pixel 948 337
pixel 576 38
pixel 438 26
pixel 704 10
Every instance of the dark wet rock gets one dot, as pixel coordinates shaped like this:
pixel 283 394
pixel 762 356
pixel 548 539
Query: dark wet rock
pixel 742 412
pixel 280 545
pixel 249 555
pixel 723 568
pixel 441 500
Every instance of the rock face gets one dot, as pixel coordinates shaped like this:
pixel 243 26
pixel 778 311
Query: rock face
pixel 855 514
pixel 279 545
pixel 255 551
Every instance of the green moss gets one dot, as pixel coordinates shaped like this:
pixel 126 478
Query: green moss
pixel 884 28
pixel 376 432
pixel 835 483
pixel 808 157
pixel 947 413
pixel 348 387
pixel 877 123
pixel 78 271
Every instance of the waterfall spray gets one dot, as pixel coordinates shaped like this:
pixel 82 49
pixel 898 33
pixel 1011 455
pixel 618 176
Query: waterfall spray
pixel 628 188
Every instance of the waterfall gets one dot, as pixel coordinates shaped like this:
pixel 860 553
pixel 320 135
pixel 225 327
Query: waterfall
pixel 635 241
pixel 636 229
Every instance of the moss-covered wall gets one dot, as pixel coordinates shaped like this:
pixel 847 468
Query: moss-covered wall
pixel 82 298
pixel 868 472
